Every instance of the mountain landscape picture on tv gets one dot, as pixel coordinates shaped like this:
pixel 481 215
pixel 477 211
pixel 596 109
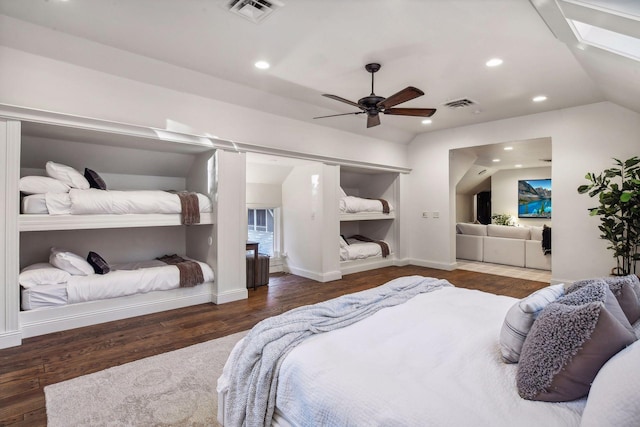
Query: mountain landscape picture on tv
pixel 534 198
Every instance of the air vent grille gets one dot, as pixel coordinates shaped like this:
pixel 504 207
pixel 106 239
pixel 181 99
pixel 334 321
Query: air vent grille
pixel 460 103
pixel 253 10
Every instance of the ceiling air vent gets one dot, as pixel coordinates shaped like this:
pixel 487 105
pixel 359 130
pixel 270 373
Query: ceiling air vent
pixel 460 103
pixel 253 10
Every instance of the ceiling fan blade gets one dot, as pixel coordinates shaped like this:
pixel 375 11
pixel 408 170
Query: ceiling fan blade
pixel 406 94
pixel 343 114
pixel 419 112
pixel 373 120
pixel 346 101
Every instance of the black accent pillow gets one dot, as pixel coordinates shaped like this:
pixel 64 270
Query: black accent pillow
pixel 95 181
pixel 98 263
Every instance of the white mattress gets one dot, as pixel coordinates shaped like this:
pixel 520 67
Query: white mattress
pixel 125 279
pixel 94 201
pixel 351 204
pixel 359 250
pixel 44 296
pixel 34 204
pixel 434 360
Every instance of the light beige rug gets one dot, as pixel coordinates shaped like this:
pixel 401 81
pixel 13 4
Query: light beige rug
pixel 171 389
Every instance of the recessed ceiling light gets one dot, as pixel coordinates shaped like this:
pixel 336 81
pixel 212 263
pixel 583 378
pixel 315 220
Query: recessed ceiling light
pixel 495 160
pixel 494 62
pixel 539 98
pixel 518 166
pixel 427 122
pixel 508 148
pixel 263 65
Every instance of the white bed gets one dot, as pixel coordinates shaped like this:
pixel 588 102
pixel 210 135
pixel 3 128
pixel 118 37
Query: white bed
pixel 358 250
pixel 434 360
pixel 94 201
pixel 351 204
pixel 124 279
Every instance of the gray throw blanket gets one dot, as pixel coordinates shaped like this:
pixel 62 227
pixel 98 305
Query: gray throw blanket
pixel 255 361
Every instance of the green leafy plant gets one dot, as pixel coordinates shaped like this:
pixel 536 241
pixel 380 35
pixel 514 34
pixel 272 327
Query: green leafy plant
pixel 618 191
pixel 502 219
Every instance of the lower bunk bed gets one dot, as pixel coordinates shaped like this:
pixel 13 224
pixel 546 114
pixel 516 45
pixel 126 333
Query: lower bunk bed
pixel 53 299
pixel 359 253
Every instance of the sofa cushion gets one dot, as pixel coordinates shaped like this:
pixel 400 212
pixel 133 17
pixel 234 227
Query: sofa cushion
pixel 536 233
pixel 471 229
pixel 508 232
pixel 499 250
pixel 469 247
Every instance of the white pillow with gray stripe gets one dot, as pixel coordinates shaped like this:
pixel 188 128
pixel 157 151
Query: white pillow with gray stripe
pixel 520 317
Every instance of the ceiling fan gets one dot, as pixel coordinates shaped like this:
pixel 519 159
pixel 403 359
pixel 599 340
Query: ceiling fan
pixel 373 105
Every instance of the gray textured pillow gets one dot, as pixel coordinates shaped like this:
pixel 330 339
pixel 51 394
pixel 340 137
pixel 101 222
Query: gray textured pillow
pixel 519 319
pixel 565 349
pixel 626 290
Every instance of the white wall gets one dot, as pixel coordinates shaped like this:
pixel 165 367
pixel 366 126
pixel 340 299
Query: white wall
pixel 464 208
pixel 504 192
pixel 264 195
pixel 42 83
pixel 584 139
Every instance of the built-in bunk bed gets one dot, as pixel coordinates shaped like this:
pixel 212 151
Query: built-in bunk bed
pixel 110 226
pixel 368 230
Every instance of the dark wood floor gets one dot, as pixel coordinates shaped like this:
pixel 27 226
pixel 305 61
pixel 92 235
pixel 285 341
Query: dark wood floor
pixel 48 359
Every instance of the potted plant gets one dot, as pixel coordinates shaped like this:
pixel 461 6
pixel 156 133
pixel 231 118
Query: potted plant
pixel 502 219
pixel 618 191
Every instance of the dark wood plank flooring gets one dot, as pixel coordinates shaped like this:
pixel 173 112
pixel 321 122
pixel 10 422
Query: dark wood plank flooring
pixel 48 359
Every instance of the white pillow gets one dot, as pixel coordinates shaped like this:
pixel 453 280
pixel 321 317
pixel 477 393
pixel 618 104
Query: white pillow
pixel 520 317
pixel 42 273
pixel 70 262
pixel 613 398
pixel 343 242
pixel 41 185
pixel 67 174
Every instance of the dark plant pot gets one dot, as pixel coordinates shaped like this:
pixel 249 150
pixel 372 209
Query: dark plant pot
pixel 617 271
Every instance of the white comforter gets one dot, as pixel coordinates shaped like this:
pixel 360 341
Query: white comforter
pixel 94 201
pixel 351 204
pixel 432 361
pixel 359 250
pixel 118 283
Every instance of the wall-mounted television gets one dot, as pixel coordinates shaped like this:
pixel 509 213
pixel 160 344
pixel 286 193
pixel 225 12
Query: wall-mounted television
pixel 534 198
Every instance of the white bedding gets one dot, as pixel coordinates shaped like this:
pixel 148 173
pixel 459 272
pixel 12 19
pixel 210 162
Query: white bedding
pixel 123 280
pixel 359 250
pixel 434 360
pixel 94 201
pixel 351 204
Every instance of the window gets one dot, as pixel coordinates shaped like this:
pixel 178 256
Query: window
pixel 262 229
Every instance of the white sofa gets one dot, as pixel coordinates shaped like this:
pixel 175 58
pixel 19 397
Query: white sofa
pixel 501 244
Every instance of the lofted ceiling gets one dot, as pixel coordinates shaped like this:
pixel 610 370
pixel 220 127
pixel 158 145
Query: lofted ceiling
pixel 317 47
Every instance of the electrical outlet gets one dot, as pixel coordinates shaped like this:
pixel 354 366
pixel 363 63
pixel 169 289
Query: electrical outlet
pixel 436 214
pixel 425 214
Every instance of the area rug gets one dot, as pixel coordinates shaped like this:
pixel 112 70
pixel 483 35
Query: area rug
pixel 171 389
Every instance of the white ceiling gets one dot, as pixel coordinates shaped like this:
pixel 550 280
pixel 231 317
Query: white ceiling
pixel 317 47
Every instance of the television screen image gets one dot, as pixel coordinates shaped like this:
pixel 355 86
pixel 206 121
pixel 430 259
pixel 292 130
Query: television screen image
pixel 534 198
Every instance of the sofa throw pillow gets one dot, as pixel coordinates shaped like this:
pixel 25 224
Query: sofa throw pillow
pixel 70 262
pixel 565 349
pixel 613 398
pixel 42 273
pixel 100 266
pixel 622 288
pixel 41 185
pixel 471 229
pixel 95 180
pixel 67 174
pixel 520 317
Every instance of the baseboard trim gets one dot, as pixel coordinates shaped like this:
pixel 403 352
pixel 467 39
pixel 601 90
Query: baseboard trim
pixel 313 275
pixel 433 264
pixel 230 296
pixel 10 339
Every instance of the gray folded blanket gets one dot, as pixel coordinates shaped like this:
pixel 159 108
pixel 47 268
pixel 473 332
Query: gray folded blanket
pixel 255 361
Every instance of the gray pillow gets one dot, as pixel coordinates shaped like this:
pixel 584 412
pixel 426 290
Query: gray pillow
pixel 626 290
pixel 569 342
pixel 565 349
pixel 519 319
